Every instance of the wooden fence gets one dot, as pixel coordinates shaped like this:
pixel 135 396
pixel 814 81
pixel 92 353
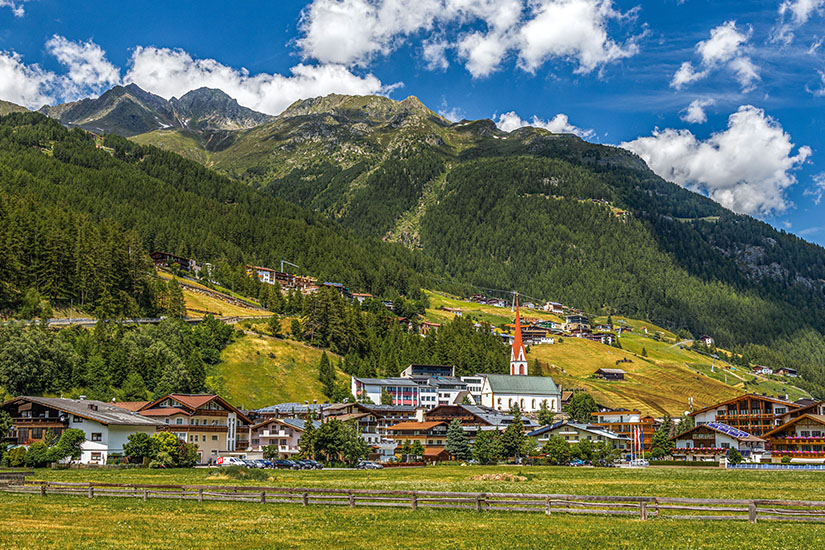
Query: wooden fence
pixel 643 508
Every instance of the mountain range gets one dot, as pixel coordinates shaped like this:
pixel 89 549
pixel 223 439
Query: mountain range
pixel 548 214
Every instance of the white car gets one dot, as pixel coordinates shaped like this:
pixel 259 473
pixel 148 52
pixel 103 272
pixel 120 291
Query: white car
pixel 229 461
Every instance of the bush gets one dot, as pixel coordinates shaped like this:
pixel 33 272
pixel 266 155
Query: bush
pixel 16 457
pixel 734 457
pixel 162 460
pixel 38 455
pixel 786 460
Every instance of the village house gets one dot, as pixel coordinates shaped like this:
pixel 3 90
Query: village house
pixel 283 434
pixel 554 307
pixel 706 341
pixel 624 422
pixel 474 418
pixel 165 259
pixel 574 323
pixel 289 410
pixel 801 438
pixel 786 371
pixel 751 413
pixel 575 432
pixel 806 406
pixel 206 420
pixel 431 435
pixel 714 440
pixel 106 426
pixel 760 369
pixel 426 327
pixel 361 296
pixel 418 386
pixel 610 374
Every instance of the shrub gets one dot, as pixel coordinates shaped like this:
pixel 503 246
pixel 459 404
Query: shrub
pixel 38 455
pixel 786 460
pixel 162 460
pixel 16 457
pixel 239 472
pixel 734 457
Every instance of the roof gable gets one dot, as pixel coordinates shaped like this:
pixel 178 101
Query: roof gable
pixel 533 385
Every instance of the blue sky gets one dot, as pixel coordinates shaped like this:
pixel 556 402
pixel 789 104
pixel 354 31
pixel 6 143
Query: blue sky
pixel 723 97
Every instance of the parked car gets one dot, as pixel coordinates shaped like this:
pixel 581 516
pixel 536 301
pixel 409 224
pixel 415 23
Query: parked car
pixel 577 462
pixel 261 463
pixel 369 465
pixel 250 463
pixel 310 464
pixel 230 461
pixel 284 464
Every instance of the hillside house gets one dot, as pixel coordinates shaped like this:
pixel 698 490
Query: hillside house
pixel 574 323
pixel 760 369
pixel 165 259
pixel 206 420
pixel 751 413
pixel 431 435
pixel 361 296
pixel 714 440
pixel 707 341
pixel 610 374
pixel 786 371
pixel 426 327
pixel 106 426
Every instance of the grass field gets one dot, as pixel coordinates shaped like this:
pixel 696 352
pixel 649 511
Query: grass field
pixel 31 522
pixel 257 371
pixel 655 384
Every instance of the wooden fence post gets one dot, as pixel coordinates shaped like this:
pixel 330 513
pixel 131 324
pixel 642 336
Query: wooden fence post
pixel 643 510
pixel 351 499
pixel 479 501
pixel 145 494
pixel 414 502
pixel 752 512
pixel 305 499
pixel 547 506
pixel 91 492
pixel 263 497
pixel 200 495
pixel 43 490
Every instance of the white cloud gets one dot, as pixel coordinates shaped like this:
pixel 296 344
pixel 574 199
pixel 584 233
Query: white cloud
pixel 559 124
pixel 820 90
pixel 818 188
pixel 26 85
pixel 792 15
pixel 435 54
pixel 571 29
pixel 168 73
pixel 89 70
pixel 354 32
pixel 685 75
pixel 482 53
pixel 15 5
pixel 695 112
pixel 746 167
pixel 726 48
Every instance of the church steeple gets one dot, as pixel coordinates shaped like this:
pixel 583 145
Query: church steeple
pixel 518 357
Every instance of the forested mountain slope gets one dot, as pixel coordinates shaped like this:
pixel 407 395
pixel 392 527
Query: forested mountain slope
pixel 551 215
pixel 179 206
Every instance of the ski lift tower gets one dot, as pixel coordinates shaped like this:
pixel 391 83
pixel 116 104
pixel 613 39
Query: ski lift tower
pixel 287 263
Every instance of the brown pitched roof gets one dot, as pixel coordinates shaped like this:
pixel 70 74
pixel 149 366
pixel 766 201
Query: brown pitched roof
pixel 165 411
pixel 193 402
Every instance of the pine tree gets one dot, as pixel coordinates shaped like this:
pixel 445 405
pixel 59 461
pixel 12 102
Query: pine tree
pixel 134 389
pixel 513 437
pixel 326 374
pixel 307 441
pixel 457 444
pixel 386 397
pixel 487 447
pixel 661 445
pixel 176 303
pixel 546 417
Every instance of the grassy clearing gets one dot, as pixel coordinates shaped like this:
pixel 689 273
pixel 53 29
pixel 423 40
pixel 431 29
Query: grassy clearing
pixel 30 521
pixel 659 383
pixel 257 371
pixel 494 315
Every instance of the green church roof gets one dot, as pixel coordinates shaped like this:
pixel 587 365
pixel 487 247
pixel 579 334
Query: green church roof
pixel 536 385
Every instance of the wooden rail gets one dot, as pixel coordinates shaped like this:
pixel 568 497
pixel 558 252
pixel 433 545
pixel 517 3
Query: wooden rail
pixel 641 507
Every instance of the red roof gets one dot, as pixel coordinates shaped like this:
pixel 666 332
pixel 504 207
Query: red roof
pixel 415 425
pixel 165 411
pixel 193 401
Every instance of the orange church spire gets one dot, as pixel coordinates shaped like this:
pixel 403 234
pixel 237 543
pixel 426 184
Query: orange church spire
pixel 518 357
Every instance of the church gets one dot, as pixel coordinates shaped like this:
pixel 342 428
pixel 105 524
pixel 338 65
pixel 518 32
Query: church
pixel 501 391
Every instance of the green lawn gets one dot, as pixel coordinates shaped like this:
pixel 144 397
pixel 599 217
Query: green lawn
pixel 33 522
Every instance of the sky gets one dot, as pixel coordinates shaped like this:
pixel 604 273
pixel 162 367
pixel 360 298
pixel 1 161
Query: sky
pixel 725 98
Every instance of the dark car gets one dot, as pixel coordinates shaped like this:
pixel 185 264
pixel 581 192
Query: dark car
pixel 261 463
pixel 310 464
pixel 250 463
pixel 283 464
pixel 369 465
